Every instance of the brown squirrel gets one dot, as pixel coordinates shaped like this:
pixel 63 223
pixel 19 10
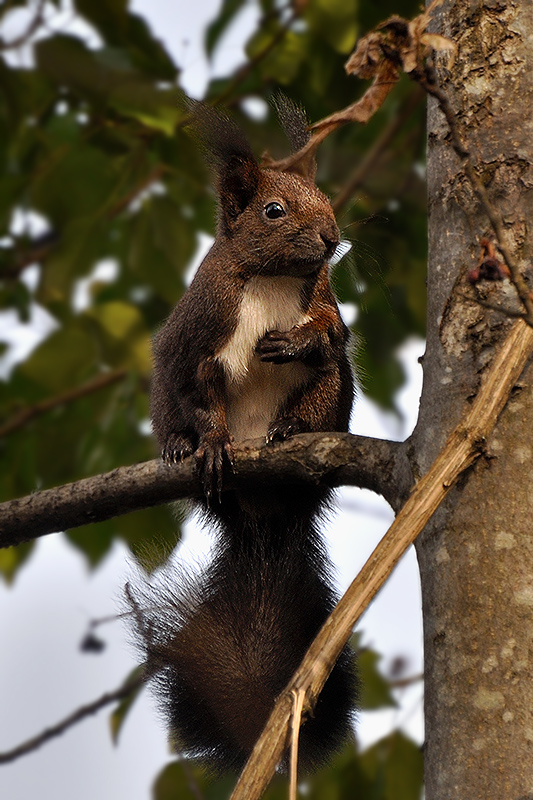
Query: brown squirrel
pixel 255 348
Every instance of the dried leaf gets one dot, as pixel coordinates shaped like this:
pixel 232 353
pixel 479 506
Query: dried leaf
pixel 366 58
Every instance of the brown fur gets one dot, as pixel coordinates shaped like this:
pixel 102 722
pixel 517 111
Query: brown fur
pixel 255 347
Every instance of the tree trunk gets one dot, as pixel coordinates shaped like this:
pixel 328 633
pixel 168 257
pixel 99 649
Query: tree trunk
pixel 476 555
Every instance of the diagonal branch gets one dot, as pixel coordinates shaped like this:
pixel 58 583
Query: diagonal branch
pixel 24 416
pixel 462 449
pixel 250 65
pixel 373 155
pixel 130 686
pixel 33 26
pixel 328 459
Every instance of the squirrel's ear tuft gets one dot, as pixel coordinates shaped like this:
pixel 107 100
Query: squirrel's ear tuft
pixel 294 122
pixel 230 154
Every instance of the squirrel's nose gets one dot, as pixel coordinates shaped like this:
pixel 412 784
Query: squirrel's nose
pixel 330 242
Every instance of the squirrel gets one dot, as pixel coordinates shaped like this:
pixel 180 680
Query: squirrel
pixel 256 347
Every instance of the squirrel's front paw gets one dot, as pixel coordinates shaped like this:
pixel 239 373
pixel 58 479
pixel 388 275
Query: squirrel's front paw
pixel 213 457
pixel 278 347
pixel 177 447
pixel 282 429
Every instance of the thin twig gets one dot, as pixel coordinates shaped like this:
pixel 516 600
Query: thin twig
pixel 298 704
pixel 247 68
pixel 403 683
pixel 372 156
pixel 127 688
pixel 427 78
pixel 26 414
pixel 35 23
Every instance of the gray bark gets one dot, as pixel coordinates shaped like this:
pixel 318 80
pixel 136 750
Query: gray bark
pixel 476 555
pixel 327 459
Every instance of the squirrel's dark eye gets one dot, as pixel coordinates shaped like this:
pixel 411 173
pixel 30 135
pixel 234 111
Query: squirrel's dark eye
pixel 274 210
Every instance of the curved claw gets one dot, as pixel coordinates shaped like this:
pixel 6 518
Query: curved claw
pixel 282 429
pixel 176 448
pixel 213 456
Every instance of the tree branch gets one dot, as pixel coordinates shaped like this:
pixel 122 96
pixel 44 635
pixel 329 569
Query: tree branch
pixel 26 414
pixel 461 450
pixel 247 68
pixel 330 459
pixel 33 26
pixel 372 156
pixel 128 687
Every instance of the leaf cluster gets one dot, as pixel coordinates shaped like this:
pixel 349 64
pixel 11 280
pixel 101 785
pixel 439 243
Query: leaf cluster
pixel 389 770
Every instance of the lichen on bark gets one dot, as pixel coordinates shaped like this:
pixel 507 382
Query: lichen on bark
pixel 476 555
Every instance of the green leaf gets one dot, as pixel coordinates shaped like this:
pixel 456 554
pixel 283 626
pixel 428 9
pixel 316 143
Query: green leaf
pixel 375 690
pixel 109 17
pixel 216 29
pixel 87 172
pixel 161 245
pixel 67 62
pixel 81 243
pixel 152 533
pixel 405 769
pixel 94 541
pixel 155 108
pixel 130 31
pixel 396 765
pixel 118 716
pixel 148 54
pixel 12 558
pixel 174 782
pixel 63 360
pixel 16 295
pixel 335 21
pixel 283 62
pixel 124 338
pixel 184 780
pixel 343 779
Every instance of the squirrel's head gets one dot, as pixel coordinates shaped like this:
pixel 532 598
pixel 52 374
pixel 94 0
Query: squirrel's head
pixel 276 222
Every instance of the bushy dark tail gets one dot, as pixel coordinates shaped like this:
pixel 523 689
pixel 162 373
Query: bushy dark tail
pixel 224 645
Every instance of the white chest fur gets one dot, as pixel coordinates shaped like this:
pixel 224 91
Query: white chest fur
pixel 255 390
